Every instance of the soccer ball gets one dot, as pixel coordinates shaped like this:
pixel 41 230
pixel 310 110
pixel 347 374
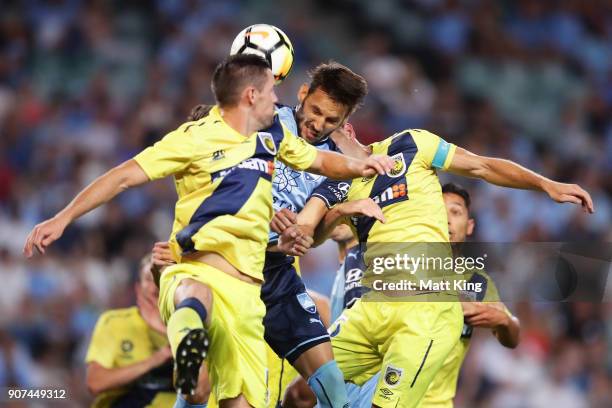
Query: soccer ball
pixel 269 42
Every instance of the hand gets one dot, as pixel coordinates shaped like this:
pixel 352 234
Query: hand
pixel 44 234
pixel 160 356
pixel 376 164
pixel 161 255
pixel 295 241
pixel 484 315
pixel 366 207
pixel 282 220
pixel 569 193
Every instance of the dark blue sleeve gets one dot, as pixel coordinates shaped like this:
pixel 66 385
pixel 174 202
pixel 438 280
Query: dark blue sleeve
pixel 332 192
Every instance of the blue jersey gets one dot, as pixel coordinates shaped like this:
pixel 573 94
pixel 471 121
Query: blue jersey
pixel 347 286
pixel 292 188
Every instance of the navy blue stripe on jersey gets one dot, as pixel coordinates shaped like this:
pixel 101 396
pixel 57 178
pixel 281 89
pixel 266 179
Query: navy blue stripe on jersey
pixel 390 189
pixel 354 266
pixel 228 198
pixel 238 184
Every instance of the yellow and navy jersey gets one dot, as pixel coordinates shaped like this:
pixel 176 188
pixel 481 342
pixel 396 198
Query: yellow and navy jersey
pixel 410 194
pixel 223 182
pixel 122 338
pixel 442 389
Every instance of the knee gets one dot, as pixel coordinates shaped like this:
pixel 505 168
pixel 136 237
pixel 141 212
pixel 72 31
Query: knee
pixel 190 288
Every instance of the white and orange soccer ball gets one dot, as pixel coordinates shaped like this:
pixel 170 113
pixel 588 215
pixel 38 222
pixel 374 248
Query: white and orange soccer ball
pixel 270 43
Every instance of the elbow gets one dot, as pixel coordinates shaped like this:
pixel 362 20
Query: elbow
pixel 93 383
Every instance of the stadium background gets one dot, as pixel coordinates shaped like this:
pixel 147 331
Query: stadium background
pixel 86 85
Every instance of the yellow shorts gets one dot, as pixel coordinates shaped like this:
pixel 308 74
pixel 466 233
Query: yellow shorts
pixel 237 362
pixel 406 341
pixel 281 374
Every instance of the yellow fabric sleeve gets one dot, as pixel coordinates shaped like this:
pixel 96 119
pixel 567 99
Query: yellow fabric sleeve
pixel 296 152
pixel 102 348
pixel 170 155
pixel 434 151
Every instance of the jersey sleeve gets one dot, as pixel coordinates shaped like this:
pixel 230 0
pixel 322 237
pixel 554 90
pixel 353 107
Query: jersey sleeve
pixel 101 348
pixel 170 155
pixel 295 152
pixel 332 192
pixel 435 151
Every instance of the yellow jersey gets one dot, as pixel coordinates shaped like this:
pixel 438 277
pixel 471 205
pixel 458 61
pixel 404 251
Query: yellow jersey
pixel 410 196
pixel 122 338
pixel 223 182
pixel 442 389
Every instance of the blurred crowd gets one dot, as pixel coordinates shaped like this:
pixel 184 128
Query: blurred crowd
pixel 84 85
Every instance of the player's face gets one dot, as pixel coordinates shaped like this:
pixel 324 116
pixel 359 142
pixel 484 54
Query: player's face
pixel 264 102
pixel 460 225
pixel 147 285
pixel 318 115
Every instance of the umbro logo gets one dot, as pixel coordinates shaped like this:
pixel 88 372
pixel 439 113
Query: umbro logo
pixel 218 155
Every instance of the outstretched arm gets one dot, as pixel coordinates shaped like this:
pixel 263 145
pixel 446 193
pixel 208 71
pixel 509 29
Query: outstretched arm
pixel 494 316
pixel 101 190
pixel 506 173
pixel 337 166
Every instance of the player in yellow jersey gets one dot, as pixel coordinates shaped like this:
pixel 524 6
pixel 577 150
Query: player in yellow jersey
pixel 406 206
pixel 129 361
pixel 485 310
pixel 222 165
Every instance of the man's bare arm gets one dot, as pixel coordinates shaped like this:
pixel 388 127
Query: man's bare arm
pixel 337 166
pixel 100 378
pixel 494 316
pixel 506 173
pixel 101 190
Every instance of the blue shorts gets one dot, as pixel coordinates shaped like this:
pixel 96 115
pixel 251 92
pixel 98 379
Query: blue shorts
pixel 292 323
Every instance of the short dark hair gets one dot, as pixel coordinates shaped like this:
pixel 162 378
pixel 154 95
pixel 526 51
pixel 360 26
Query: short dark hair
pixel 198 112
pixel 340 83
pixel 460 191
pixel 234 74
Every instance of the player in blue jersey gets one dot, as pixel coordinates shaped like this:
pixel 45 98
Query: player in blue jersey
pixel 292 325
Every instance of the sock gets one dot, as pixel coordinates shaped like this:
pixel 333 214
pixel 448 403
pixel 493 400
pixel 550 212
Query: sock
pixel 182 403
pixel 189 314
pixel 328 384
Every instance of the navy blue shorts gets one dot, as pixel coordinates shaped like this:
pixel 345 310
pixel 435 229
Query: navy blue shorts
pixel 292 323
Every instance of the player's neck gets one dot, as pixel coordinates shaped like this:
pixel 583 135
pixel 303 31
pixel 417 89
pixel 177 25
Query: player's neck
pixel 239 120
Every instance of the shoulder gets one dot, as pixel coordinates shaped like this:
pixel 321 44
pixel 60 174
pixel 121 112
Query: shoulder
pixel 119 317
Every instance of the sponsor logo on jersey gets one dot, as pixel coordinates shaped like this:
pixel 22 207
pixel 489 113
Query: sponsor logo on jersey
pixel 264 166
pixel 393 375
pixel 340 190
pixel 268 142
pixel 399 166
pixel 306 302
pixel 397 190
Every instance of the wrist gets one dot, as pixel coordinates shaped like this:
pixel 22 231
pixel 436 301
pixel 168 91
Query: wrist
pixel 65 217
pixel 504 321
pixel 545 185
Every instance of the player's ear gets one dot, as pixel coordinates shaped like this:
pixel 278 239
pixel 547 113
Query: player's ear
pixel 250 94
pixel 303 92
pixel 470 226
